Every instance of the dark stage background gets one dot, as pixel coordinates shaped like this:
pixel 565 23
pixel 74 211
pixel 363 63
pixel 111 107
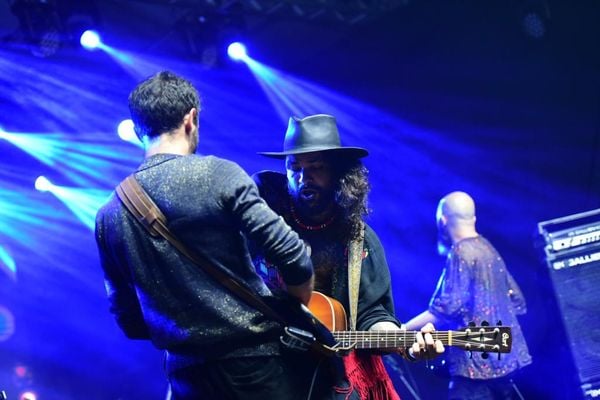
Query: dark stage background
pixel 446 95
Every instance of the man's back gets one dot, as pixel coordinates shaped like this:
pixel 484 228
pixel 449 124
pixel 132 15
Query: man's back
pixel 476 287
pixel 208 202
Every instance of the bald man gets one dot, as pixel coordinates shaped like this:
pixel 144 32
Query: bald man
pixel 474 286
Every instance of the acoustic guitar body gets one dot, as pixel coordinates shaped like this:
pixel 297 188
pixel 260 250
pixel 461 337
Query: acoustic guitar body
pixel 329 311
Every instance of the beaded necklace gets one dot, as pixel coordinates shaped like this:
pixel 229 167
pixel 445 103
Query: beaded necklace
pixel 309 227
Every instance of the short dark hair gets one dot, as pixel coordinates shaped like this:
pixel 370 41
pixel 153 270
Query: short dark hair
pixel 158 104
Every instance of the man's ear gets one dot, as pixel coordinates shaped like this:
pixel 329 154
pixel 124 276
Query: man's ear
pixel 190 120
pixel 444 220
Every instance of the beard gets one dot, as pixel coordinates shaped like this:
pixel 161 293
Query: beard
pixel 194 141
pixel 311 201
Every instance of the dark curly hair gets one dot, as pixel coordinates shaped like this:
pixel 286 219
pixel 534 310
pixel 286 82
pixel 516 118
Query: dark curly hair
pixel 351 192
pixel 159 103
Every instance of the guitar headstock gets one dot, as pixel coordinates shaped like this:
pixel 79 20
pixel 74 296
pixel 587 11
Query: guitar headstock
pixel 484 338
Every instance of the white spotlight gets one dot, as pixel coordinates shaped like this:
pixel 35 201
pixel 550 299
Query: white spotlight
pixel 43 184
pixel 126 132
pixel 90 40
pixel 237 51
pixel 29 395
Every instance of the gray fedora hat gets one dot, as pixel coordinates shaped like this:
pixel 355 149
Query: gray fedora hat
pixel 314 133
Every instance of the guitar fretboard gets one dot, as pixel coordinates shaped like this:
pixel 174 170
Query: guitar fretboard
pixel 385 339
pixel 478 339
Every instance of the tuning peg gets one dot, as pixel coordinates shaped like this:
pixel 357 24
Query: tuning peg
pixel 485 323
pixel 499 323
pixel 472 324
pixel 484 355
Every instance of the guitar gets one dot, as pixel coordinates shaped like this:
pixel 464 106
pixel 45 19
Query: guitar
pixel 331 313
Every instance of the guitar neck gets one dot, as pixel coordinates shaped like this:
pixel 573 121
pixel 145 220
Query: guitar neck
pixel 386 339
pixel 486 339
pixel 330 312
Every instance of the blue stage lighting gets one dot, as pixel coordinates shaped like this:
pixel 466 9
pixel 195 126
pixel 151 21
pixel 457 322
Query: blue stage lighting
pixel 90 40
pixel 7 264
pixel 237 51
pixel 84 203
pixel 7 323
pixel 43 184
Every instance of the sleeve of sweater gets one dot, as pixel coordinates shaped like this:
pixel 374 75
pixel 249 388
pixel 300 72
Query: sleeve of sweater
pixel 263 226
pixel 123 301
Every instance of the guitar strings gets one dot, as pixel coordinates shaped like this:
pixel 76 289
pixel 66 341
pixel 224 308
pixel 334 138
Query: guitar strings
pixel 393 337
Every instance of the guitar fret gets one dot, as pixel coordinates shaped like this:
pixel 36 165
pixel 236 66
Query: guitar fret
pixel 375 339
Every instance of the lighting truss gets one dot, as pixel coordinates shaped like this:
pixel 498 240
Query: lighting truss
pixel 343 11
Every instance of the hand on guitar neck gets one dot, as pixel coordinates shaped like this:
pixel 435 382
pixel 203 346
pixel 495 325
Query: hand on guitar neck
pixel 424 346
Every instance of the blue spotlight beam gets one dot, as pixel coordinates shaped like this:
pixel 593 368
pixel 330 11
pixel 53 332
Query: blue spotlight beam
pixel 80 158
pixel 7 264
pixel 36 226
pixel 50 89
pixel 84 203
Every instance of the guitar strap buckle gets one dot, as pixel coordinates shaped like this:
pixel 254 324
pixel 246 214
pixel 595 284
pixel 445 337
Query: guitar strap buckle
pixel 301 340
pixel 297 339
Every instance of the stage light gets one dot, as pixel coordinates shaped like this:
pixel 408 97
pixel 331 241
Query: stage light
pixel 43 184
pixel 533 25
pixel 237 51
pixel 28 396
pixel 90 40
pixel 535 18
pixel 40 24
pixel 126 131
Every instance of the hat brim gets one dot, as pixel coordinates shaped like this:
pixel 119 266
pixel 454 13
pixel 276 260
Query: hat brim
pixel 350 152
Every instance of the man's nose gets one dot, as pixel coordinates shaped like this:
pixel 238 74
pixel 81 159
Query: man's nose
pixel 305 176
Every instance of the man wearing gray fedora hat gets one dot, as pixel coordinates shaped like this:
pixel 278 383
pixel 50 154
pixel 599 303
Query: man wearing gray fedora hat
pixel 323 197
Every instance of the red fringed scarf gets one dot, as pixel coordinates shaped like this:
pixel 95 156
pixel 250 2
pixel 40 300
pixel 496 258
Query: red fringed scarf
pixel 368 377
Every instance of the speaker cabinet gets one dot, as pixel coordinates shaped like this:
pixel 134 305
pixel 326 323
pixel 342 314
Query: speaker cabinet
pixel 572 254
